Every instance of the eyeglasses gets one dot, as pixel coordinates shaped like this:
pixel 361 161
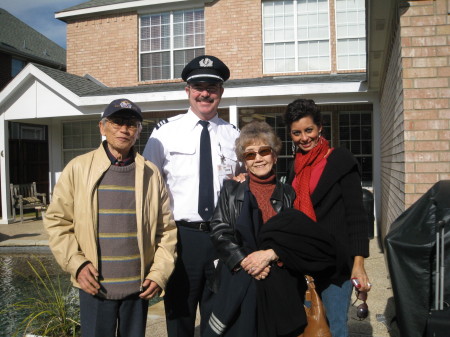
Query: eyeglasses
pixel 362 310
pixel 263 151
pixel 212 89
pixel 117 122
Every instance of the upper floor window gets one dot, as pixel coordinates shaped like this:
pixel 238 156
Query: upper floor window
pixel 350 34
pixel 168 41
pixel 296 36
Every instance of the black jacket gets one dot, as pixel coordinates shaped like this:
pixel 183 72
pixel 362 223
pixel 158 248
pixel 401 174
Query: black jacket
pixel 304 247
pixel 228 245
pixel 338 203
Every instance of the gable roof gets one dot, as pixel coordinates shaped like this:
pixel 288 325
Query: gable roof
pixel 19 39
pixel 42 92
pixel 89 87
pixel 80 86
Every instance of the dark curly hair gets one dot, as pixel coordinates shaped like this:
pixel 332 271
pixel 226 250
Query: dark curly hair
pixel 301 108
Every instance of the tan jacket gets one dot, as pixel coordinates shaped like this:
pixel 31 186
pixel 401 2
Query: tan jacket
pixel 71 218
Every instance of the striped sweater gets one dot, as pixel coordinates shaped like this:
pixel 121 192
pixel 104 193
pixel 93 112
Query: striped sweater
pixel 119 258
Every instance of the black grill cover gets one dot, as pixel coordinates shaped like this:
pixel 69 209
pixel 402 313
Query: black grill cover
pixel 411 256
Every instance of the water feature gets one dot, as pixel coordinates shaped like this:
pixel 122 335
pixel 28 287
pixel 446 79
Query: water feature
pixel 16 281
pixel 16 278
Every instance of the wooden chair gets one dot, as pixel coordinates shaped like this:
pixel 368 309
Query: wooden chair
pixel 25 196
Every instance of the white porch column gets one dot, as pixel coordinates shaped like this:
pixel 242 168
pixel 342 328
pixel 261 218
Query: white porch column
pixel 234 118
pixel 4 170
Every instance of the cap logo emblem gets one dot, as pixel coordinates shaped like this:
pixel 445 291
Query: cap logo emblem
pixel 206 63
pixel 126 105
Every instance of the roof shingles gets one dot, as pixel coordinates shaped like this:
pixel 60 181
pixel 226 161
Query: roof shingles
pixel 17 38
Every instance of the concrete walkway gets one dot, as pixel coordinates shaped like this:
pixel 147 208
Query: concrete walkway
pixel 380 300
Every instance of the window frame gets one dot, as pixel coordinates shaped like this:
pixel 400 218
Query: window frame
pixel 197 50
pixel 79 150
pixel 361 38
pixel 317 61
pixel 348 143
pixel 297 40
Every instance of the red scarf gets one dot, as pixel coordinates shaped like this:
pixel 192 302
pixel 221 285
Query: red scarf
pixel 304 163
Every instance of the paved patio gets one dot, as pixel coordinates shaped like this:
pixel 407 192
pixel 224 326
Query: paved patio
pixel 32 234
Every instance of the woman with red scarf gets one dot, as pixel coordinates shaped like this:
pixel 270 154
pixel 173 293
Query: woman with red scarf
pixel 327 182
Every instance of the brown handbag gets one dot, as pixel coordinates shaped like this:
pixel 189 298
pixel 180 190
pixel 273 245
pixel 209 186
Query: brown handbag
pixel 315 315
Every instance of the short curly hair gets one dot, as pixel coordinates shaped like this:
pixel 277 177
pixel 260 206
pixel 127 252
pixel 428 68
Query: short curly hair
pixel 301 108
pixel 254 133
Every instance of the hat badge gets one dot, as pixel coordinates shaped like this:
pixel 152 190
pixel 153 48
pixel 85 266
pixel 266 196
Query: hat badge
pixel 205 63
pixel 126 105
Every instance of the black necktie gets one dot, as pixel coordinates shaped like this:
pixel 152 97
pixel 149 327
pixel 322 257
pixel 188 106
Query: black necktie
pixel 205 187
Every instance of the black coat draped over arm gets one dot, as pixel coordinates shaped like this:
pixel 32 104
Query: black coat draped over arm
pixel 303 247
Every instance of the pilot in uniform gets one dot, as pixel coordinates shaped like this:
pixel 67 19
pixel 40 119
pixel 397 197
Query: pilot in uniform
pixel 175 147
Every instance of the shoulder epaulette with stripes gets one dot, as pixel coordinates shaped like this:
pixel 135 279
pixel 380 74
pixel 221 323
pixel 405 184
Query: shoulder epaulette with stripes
pixel 162 122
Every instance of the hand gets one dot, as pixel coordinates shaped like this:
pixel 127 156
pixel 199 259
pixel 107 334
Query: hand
pixel 255 262
pixel 87 279
pixel 262 275
pixel 359 272
pixel 240 178
pixel 151 289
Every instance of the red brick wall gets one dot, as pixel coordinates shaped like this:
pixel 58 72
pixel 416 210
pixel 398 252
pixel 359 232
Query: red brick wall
pixel 105 48
pixel 233 33
pixel 392 137
pixel 426 80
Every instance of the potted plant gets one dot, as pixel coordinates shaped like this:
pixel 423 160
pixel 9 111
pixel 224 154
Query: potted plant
pixel 51 310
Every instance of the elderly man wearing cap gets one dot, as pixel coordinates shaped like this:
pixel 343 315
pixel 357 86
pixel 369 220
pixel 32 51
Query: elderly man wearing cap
pixel 110 226
pixel 195 153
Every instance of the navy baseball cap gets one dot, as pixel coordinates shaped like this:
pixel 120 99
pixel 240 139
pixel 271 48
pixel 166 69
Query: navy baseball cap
pixel 122 105
pixel 205 68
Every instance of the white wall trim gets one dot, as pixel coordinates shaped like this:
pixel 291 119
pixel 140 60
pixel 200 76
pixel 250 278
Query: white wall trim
pixel 135 5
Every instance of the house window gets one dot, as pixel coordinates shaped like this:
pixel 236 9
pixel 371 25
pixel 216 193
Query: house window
pixel 17 66
pixel 27 131
pixel 147 128
pixel 168 41
pixel 275 118
pixel 296 36
pixel 355 133
pixel 350 128
pixel 350 34
pixel 79 137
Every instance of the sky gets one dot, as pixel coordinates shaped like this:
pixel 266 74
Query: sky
pixel 40 15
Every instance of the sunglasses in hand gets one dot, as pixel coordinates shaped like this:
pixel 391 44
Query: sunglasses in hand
pixel 362 310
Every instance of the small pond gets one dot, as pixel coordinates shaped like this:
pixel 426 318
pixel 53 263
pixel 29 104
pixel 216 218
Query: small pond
pixel 16 280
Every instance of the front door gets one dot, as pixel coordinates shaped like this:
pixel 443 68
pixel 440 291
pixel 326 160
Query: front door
pixel 28 155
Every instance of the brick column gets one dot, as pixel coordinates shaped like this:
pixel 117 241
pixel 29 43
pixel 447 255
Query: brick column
pixel 426 72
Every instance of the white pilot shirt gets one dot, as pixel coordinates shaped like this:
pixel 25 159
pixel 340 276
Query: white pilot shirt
pixel 174 147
